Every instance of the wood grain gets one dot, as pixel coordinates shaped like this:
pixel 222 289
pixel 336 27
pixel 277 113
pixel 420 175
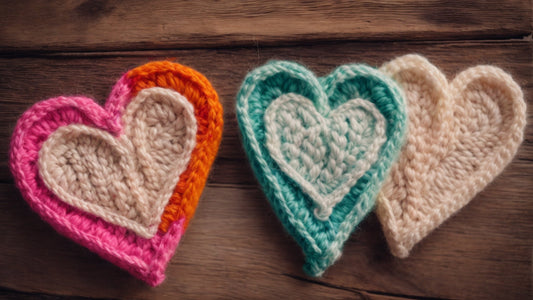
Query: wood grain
pixel 235 247
pixel 90 25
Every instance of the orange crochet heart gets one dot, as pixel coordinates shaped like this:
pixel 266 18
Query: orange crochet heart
pixel 208 112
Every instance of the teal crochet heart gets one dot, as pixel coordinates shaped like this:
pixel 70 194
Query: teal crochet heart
pixel 320 148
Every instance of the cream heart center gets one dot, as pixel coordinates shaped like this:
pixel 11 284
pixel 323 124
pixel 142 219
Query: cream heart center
pixel 128 180
pixel 325 155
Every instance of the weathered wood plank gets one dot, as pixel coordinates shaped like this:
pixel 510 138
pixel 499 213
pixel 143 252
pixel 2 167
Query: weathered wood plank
pixel 119 25
pixel 27 80
pixel 235 246
pixel 8 294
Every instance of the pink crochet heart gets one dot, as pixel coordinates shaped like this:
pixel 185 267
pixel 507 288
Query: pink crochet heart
pixel 126 180
pixel 144 257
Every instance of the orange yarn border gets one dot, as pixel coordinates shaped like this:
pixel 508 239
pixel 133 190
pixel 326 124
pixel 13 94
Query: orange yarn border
pixel 208 112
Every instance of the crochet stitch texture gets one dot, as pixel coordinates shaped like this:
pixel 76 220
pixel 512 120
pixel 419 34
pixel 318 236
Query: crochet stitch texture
pixel 320 148
pixel 126 181
pixel 106 177
pixel 461 136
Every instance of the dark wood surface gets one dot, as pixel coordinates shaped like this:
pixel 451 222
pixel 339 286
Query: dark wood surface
pixel 60 25
pixel 235 247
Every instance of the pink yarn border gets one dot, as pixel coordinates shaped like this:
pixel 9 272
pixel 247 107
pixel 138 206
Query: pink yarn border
pixel 146 259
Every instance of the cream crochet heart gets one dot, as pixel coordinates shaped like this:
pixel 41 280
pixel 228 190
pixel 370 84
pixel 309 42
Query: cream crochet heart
pixel 325 155
pixel 125 180
pixel 461 136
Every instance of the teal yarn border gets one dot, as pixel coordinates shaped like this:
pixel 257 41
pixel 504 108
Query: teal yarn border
pixel 321 241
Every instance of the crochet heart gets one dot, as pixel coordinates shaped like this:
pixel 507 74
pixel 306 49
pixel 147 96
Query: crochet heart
pixel 320 148
pixel 123 180
pixel 461 136
pixel 325 156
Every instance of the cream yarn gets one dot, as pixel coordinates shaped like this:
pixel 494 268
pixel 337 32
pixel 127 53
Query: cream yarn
pixel 325 155
pixel 127 180
pixel 461 135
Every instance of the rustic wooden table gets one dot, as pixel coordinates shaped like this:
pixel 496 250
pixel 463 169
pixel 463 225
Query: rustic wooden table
pixel 235 247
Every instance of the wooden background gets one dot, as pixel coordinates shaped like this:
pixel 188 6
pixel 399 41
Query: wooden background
pixel 235 247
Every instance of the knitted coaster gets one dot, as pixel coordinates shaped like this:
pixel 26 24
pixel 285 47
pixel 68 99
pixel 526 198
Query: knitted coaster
pixel 320 148
pixel 123 180
pixel 461 136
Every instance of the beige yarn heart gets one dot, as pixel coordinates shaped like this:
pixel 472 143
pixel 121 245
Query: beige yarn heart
pixel 314 151
pixel 461 136
pixel 127 180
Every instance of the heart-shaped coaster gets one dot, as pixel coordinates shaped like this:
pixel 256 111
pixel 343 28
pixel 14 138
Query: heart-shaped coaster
pixel 123 180
pixel 320 148
pixel 461 136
